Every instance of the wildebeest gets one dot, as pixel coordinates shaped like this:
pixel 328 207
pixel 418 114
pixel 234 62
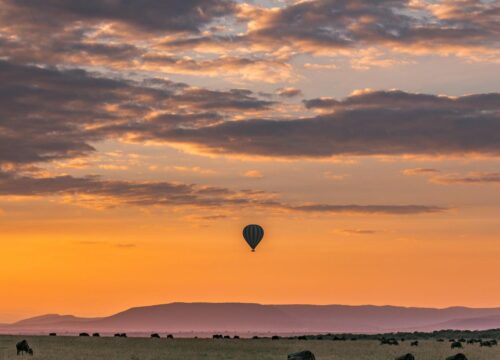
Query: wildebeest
pixel 217 336
pixel 96 335
pixel 275 337
pixel 170 336
pixel 302 355
pixel 414 343
pixel 227 337
pixel 302 337
pixel 117 335
pixel 155 335
pixel 458 356
pixel 391 341
pixel 255 337
pixel 236 337
pixel 456 345
pixel 23 347
pixel 406 357
pixel 485 343
pixel 84 334
pixel 121 335
pixel 52 334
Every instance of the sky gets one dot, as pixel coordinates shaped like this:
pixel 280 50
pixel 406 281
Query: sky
pixel 138 138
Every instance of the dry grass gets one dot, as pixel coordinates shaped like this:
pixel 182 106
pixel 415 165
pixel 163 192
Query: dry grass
pixel 106 348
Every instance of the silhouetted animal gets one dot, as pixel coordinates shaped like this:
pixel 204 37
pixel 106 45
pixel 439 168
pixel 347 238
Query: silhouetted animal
pixel 52 334
pixel 389 342
pixel 217 336
pixel 227 337
pixel 236 337
pixel 157 336
pixel 458 356
pixel 170 336
pixel 84 334
pixel 96 335
pixel 456 345
pixel 255 337
pixel 23 347
pixel 414 343
pixel 117 335
pixel 302 355
pixel 123 335
pixel 485 343
pixel 406 357
pixel 302 337
pixel 275 337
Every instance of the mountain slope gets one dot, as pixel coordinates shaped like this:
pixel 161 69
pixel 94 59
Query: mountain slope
pixel 241 317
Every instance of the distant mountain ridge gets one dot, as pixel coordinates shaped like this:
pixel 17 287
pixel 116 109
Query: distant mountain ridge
pixel 257 318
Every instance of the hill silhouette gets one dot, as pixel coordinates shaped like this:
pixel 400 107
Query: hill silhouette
pixel 257 318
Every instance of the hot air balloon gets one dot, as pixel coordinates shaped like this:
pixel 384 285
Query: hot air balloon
pixel 253 234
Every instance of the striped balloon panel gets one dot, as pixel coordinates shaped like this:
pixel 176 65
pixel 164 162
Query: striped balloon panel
pixel 253 234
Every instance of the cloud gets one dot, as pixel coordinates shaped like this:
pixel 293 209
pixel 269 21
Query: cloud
pixel 288 92
pixel 370 209
pixel 357 232
pixel 437 177
pixel 471 178
pixel 311 66
pixel 95 192
pixel 256 174
pixel 420 171
pixel 329 27
pixel 245 68
pixel 126 245
pixel 146 15
pixel 50 114
pixel 367 123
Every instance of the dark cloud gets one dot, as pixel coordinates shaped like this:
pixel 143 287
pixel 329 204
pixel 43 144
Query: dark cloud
pixel 438 177
pixel 369 209
pixel 289 92
pixel 331 24
pixel 471 178
pixel 375 123
pixel 150 15
pixel 107 193
pixel 48 113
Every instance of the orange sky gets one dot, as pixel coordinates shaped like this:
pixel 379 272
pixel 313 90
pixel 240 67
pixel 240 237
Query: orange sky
pixel 372 162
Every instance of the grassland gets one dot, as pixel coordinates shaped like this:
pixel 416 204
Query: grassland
pixel 80 348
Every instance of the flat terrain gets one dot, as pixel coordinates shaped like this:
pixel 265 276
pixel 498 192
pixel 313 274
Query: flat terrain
pixel 59 348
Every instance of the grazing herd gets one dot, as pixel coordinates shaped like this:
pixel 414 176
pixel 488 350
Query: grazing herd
pixel 23 347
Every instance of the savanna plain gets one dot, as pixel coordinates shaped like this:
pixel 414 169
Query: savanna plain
pixel 80 348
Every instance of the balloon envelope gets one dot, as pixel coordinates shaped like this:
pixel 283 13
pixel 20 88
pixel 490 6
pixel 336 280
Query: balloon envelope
pixel 253 234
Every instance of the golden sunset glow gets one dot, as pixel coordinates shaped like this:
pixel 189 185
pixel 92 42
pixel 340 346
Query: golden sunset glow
pixel 135 146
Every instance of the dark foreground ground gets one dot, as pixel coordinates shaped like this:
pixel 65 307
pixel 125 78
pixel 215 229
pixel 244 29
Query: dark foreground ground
pixel 62 347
